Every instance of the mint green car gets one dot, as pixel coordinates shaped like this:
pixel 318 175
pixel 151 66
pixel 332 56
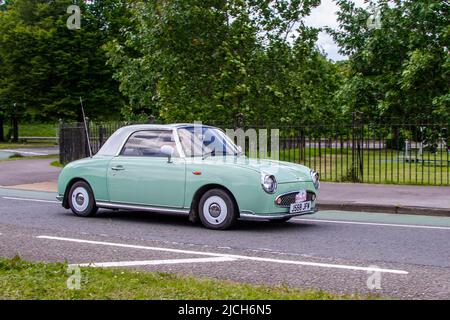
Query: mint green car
pixel 186 169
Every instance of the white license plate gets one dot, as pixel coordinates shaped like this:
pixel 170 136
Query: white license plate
pixel 300 207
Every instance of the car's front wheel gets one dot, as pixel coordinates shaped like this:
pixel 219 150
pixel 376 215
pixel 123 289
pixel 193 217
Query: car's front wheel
pixel 217 210
pixel 81 200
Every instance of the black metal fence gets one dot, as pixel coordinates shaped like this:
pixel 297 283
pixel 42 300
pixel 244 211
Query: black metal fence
pixel 73 139
pixel 352 151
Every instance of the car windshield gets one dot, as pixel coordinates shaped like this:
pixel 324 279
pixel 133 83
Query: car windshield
pixel 199 141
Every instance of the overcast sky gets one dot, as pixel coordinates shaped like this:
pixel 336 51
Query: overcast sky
pixel 325 15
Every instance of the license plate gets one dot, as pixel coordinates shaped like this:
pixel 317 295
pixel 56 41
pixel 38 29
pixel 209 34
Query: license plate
pixel 300 207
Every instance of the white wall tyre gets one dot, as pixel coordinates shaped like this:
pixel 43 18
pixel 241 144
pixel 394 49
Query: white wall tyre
pixel 217 210
pixel 81 200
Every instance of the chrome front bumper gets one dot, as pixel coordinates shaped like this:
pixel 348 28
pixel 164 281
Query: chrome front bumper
pixel 246 215
pixel 60 198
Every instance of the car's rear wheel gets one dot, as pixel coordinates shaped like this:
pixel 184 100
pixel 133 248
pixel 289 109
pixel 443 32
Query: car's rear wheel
pixel 217 210
pixel 81 200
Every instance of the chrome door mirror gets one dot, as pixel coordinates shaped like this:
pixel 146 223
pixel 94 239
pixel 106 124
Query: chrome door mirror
pixel 167 151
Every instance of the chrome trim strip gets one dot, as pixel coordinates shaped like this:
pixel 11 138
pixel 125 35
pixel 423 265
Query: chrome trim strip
pixel 113 205
pixel 247 215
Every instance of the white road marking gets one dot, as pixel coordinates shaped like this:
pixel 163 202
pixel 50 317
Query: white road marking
pixel 295 219
pixel 25 152
pixel 153 262
pixel 33 200
pixel 374 224
pixel 214 254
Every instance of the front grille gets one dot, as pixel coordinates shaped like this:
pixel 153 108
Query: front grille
pixel 289 198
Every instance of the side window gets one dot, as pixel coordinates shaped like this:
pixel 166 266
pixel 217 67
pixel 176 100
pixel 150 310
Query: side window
pixel 149 143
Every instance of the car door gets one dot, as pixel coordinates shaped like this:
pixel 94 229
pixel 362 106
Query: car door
pixel 142 174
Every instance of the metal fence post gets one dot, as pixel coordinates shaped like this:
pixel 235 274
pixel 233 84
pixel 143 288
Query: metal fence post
pixel 353 171
pixel 88 130
pixel 361 148
pixel 357 169
pixel 100 136
pixel 61 141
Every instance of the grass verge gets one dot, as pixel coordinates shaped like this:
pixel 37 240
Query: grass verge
pixel 56 163
pixel 35 129
pixel 378 166
pixel 20 279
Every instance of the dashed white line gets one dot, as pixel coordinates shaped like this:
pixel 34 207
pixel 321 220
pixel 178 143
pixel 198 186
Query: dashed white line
pixel 32 200
pixel 373 224
pixel 154 262
pixel 215 254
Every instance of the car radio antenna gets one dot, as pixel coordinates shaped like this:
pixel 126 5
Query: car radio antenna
pixel 86 128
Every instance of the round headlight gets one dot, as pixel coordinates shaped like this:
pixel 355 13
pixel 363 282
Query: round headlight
pixel 268 183
pixel 315 178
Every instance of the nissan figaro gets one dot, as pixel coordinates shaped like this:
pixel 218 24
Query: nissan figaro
pixel 189 169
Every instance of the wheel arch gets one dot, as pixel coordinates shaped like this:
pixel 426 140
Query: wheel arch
pixel 65 202
pixel 193 213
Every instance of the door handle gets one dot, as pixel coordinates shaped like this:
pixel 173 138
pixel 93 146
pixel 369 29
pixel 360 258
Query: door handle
pixel 118 168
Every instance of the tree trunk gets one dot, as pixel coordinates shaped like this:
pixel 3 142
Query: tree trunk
pixel 2 136
pixel 15 127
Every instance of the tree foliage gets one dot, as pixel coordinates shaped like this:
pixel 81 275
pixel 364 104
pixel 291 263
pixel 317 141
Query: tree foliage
pixel 216 59
pixel 213 60
pixel 402 68
pixel 45 67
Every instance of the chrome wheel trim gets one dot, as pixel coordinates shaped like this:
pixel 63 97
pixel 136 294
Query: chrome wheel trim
pixel 215 210
pixel 80 199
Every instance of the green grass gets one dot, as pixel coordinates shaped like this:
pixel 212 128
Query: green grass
pixel 15 156
pixel 36 130
pixel 31 130
pixel 56 163
pixel 25 280
pixel 379 166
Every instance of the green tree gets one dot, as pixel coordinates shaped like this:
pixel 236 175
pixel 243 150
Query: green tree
pixel 215 59
pixel 45 67
pixel 400 68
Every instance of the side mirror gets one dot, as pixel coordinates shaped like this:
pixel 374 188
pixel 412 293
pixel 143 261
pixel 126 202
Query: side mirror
pixel 167 151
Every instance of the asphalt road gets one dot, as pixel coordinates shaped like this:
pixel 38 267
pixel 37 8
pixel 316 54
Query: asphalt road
pixel 401 256
pixel 27 171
